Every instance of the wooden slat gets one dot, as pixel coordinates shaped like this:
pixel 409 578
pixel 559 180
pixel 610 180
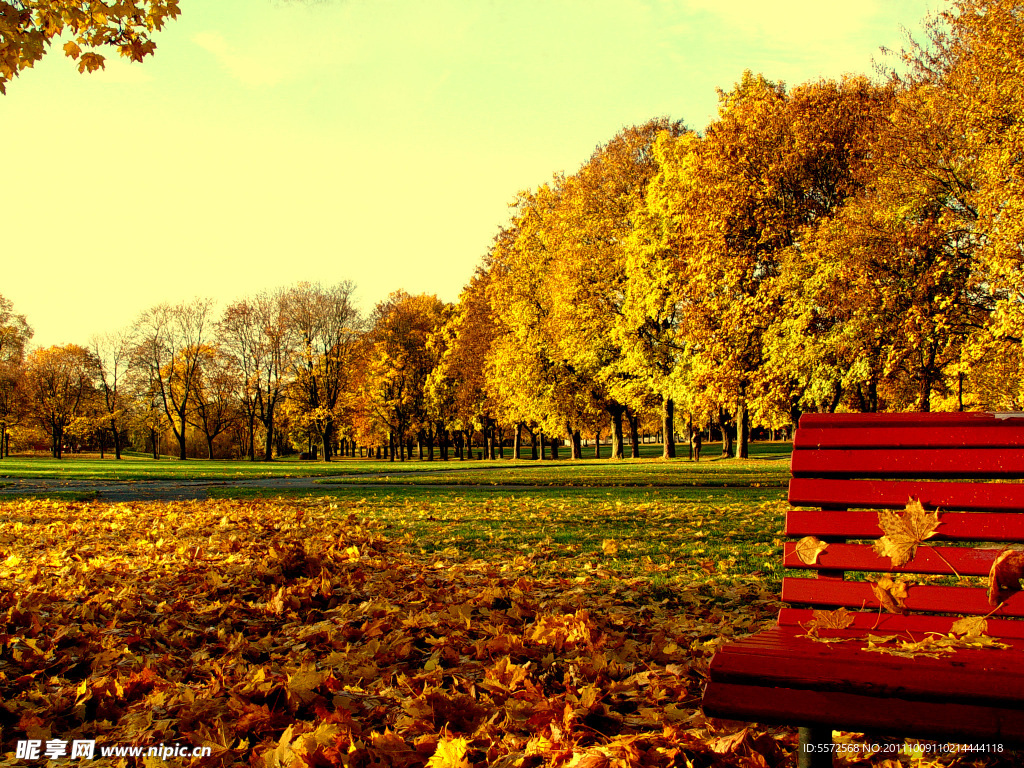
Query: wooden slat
pixel 931 599
pixel 797 619
pixel 953 526
pixel 782 658
pixel 900 717
pixel 947 561
pixel 1005 435
pixel 941 463
pixel 971 496
pixel 941 420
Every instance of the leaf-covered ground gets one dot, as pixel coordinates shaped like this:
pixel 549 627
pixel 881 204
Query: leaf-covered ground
pixel 314 634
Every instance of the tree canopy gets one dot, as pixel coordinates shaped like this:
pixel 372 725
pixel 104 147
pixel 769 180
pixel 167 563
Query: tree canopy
pixel 29 27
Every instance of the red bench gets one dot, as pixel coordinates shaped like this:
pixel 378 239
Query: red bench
pixel 849 466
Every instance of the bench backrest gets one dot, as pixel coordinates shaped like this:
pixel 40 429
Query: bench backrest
pixel 849 466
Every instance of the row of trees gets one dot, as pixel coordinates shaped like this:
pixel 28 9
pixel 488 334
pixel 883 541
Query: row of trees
pixel 847 244
pixel 852 244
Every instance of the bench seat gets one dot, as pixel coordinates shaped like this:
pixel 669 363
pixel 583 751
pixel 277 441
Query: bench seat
pixel 850 466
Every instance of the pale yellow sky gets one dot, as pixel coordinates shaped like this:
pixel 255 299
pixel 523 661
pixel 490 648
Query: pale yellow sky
pixel 373 140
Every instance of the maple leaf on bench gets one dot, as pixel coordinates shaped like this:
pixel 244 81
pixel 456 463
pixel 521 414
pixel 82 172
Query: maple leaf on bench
pixel 837 619
pixel 904 532
pixel 1005 574
pixel 808 549
pixel 890 594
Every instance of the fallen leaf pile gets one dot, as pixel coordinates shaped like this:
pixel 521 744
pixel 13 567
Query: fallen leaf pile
pixel 294 634
pixel 964 633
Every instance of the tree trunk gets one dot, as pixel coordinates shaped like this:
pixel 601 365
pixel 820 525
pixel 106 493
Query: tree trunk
pixel 268 442
pixel 634 437
pixel 542 446
pixel 616 411
pixel 742 432
pixel 668 450
pixel 517 444
pixel 574 444
pixel 533 443
pixel 924 394
pixel 554 448
pixel 724 420
pixel 597 444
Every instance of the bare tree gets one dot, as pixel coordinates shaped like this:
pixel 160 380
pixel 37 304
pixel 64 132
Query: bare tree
pixel 257 334
pixel 169 344
pixel 112 354
pixel 327 328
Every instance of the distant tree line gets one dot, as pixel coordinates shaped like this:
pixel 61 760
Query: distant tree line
pixel 847 245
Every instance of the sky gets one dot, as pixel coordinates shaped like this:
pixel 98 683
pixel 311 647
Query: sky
pixel 379 141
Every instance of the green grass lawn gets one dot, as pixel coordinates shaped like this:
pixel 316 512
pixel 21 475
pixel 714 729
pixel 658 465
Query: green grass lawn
pixel 768 465
pixel 668 536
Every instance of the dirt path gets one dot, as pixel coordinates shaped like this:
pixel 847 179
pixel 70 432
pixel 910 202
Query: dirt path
pixel 185 490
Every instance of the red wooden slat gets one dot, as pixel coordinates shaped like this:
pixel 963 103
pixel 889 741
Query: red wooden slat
pixel 953 526
pixel 933 599
pixel 995 497
pixel 941 420
pixel 948 561
pixel 780 657
pixel 1006 435
pixel 796 619
pixel 902 717
pixel 941 463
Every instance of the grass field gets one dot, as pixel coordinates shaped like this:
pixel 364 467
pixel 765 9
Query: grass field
pixel 767 464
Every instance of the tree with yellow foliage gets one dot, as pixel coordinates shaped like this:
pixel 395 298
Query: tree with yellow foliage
pixel 28 27
pixel 14 335
pixel 59 383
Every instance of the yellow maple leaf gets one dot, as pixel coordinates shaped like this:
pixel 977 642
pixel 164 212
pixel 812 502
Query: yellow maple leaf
pixel 837 619
pixel 904 532
pixel 610 547
pixel 450 754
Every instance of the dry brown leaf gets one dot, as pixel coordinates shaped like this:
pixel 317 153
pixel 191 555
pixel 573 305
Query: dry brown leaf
pixel 808 549
pixel 1004 576
pixel 904 532
pixel 890 594
pixel 837 619
pixel 727 745
pixel 970 626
